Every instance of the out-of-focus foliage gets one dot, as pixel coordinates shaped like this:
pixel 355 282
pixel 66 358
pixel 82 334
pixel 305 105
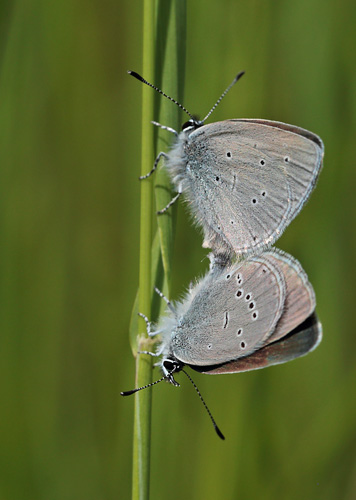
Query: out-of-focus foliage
pixel 69 162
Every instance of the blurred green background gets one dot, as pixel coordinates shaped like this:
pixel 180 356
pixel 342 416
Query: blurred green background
pixel 69 225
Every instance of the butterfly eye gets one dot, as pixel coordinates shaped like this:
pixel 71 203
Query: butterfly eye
pixel 168 365
pixel 190 123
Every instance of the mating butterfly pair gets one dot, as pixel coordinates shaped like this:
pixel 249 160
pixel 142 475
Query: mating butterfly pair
pixel 245 181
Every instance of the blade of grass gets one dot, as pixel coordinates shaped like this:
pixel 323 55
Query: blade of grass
pixel 170 34
pixel 143 399
pixel 158 306
pixel 170 47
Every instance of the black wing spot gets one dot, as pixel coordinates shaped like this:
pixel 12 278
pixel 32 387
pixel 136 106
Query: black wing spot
pixel 226 319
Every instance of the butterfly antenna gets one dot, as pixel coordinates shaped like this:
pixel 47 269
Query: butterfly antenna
pixel 237 77
pixel 141 79
pixel 218 431
pixel 128 393
pixel 167 301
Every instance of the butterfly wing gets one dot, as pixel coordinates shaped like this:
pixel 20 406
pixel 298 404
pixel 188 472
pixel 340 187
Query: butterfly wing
pixel 299 342
pixel 232 314
pixel 300 297
pixel 304 152
pixel 247 179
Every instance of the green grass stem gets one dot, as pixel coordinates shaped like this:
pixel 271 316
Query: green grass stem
pixel 163 64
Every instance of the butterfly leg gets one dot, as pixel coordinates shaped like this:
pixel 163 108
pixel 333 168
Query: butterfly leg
pixel 167 301
pixel 164 127
pixel 150 334
pixel 148 326
pixel 160 155
pixel 148 323
pixel 154 354
pixel 173 200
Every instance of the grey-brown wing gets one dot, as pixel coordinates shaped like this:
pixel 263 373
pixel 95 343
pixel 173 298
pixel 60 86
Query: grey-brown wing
pixel 300 297
pixel 302 152
pixel 299 342
pixel 255 177
pixel 232 315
